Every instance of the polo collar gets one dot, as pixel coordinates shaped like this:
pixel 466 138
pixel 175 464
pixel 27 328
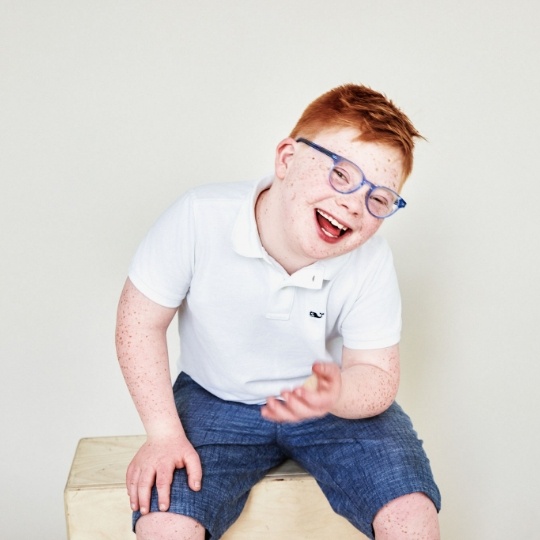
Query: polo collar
pixel 245 236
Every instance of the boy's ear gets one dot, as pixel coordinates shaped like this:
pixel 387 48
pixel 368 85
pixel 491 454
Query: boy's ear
pixel 284 152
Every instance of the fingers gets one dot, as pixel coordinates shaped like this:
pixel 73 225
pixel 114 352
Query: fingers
pixel 144 490
pixel 276 411
pixel 291 408
pixel 132 482
pixel 148 469
pixel 139 486
pixel 326 372
pixel 164 479
pixel 296 403
pixel 192 463
pixel 310 400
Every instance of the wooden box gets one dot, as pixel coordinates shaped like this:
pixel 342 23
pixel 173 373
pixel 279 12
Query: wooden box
pixel 287 504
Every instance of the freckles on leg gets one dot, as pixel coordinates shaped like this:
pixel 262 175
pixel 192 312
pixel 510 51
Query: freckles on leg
pixel 168 526
pixel 411 516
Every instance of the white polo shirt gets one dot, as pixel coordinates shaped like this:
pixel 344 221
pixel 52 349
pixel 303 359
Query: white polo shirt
pixel 248 329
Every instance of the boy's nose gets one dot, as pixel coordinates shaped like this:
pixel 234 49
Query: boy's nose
pixel 355 202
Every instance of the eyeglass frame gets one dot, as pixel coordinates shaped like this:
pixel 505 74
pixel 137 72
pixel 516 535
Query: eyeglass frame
pixel 336 158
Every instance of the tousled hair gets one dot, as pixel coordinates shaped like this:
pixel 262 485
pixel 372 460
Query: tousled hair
pixel 371 113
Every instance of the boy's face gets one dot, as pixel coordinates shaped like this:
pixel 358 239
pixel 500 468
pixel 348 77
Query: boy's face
pixel 317 221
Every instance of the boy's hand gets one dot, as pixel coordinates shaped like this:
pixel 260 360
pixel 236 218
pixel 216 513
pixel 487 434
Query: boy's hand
pixel 309 401
pixel 155 463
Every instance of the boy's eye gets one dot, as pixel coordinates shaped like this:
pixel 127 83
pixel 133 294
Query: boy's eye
pixel 380 200
pixel 341 176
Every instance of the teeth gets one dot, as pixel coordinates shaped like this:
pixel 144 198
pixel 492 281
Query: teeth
pixel 328 234
pixel 332 220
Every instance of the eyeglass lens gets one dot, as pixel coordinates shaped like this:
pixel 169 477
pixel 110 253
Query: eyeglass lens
pixel 345 178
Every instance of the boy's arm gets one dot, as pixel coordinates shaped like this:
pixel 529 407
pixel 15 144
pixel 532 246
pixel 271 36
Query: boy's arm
pixel 366 385
pixel 369 382
pixel 141 345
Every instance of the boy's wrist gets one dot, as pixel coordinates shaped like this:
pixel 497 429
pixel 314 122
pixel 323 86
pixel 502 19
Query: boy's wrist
pixel 165 430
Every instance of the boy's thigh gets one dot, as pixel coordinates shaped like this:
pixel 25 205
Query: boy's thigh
pixel 229 472
pixel 361 465
pixel 209 420
pixel 236 447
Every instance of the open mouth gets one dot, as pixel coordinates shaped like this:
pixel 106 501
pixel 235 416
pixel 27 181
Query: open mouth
pixel 329 225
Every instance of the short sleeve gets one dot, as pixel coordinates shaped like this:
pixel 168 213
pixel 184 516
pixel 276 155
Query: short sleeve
pixel 163 263
pixel 374 318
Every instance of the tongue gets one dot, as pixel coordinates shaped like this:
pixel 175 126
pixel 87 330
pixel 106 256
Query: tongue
pixel 327 226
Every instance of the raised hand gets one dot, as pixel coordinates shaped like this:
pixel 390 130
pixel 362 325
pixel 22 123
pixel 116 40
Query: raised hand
pixel 314 399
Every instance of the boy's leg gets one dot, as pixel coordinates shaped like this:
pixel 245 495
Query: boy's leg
pixel 367 467
pixel 409 516
pixel 167 526
pixel 236 447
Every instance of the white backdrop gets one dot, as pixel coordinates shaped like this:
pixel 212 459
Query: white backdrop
pixel 109 109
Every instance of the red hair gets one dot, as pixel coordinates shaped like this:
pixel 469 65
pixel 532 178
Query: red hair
pixel 370 112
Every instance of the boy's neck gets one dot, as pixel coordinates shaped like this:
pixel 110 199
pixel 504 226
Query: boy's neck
pixel 272 234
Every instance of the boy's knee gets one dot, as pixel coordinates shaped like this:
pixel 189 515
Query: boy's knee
pixel 409 516
pixel 168 526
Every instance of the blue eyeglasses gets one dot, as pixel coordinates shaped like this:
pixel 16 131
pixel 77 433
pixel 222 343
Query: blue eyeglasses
pixel 346 177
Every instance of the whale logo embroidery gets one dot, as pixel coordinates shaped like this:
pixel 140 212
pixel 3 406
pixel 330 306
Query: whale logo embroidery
pixel 316 315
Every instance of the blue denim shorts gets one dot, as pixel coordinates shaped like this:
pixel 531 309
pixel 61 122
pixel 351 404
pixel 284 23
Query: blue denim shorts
pixel 360 465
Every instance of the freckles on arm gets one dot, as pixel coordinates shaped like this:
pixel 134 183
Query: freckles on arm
pixel 143 357
pixel 370 381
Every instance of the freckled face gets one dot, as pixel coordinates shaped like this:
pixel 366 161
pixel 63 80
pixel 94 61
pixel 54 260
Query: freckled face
pixel 318 221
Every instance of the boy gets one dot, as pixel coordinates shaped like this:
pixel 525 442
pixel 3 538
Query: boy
pixel 289 316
